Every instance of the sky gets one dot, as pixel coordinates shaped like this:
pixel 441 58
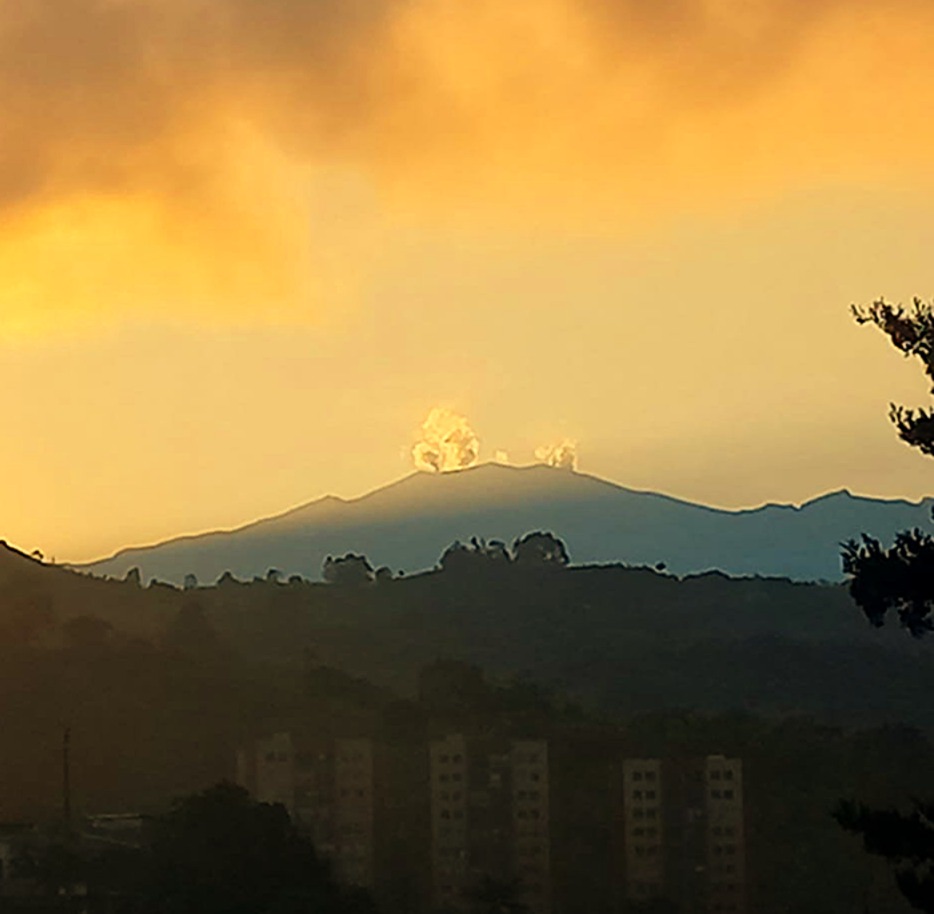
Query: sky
pixel 253 252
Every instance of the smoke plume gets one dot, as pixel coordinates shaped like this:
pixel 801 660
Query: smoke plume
pixel 448 443
pixel 561 455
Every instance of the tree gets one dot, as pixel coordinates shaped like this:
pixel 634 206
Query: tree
pixel 220 851
pixel 903 839
pixel 349 569
pixel 476 556
pixel 215 852
pixel 540 550
pixel 901 579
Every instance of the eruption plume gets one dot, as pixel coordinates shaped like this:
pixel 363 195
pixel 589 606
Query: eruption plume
pixel 448 443
pixel 562 455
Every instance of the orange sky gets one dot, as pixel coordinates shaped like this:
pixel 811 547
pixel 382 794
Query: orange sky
pixel 246 246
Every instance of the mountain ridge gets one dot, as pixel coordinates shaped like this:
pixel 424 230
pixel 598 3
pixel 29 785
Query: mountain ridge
pixel 409 522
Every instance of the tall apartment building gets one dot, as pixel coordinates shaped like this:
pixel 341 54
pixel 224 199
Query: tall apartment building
pixel 682 833
pixel 489 820
pixel 643 829
pixel 328 786
pixel 724 838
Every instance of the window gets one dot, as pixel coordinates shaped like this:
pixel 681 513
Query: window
pixel 456 776
pixel 637 775
pixel 715 794
pixel 637 794
pixel 728 775
pixel 727 794
pixel 715 775
pixel 638 832
pixel 650 775
pixel 650 794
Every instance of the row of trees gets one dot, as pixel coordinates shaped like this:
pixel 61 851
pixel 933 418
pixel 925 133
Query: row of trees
pixel 537 551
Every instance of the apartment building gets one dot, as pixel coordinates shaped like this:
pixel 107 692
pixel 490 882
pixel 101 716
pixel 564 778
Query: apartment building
pixel 725 839
pixel 328 786
pixel 489 810
pixel 683 838
pixel 643 829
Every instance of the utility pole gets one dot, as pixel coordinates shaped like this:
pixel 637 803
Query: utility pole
pixel 66 779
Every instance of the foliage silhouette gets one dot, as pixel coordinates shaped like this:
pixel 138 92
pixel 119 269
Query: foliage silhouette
pixel 540 550
pixel 901 579
pixel 905 840
pixel 214 852
pixel 350 569
pixel 220 851
pixel 476 556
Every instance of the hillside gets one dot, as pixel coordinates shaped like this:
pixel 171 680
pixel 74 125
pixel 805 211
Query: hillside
pixel 620 639
pixel 408 524
pixel 42 597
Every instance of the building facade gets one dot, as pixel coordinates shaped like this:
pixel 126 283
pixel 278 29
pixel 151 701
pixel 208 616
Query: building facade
pixel 489 809
pixel 328 786
pixel 683 835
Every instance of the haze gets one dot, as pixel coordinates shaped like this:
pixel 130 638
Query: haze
pixel 245 248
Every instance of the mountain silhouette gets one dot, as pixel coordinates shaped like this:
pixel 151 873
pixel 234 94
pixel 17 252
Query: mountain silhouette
pixel 406 525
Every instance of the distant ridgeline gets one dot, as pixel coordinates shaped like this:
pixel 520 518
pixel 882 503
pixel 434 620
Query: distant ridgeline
pixel 406 526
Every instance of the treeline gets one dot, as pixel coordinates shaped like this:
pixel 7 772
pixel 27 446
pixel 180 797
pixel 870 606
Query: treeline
pixel 614 638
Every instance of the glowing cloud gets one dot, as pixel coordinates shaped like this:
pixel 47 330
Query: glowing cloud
pixel 448 443
pixel 158 155
pixel 562 454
